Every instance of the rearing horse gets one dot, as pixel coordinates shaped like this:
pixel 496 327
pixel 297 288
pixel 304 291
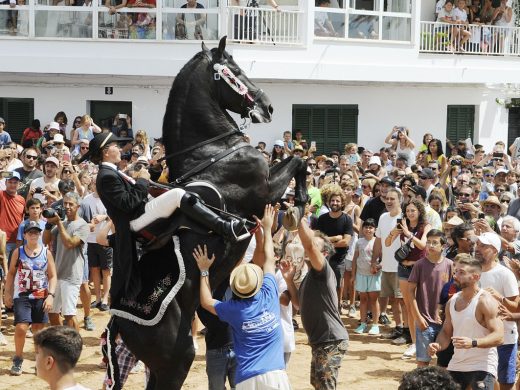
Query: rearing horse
pixel 204 143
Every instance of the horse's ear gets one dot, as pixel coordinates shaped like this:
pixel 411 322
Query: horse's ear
pixel 221 46
pixel 204 48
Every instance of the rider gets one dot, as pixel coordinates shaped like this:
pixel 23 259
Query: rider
pixel 126 202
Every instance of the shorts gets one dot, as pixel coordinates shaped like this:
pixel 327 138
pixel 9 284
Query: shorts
pixel 66 298
pixel 444 356
pixel 99 256
pixel 86 272
pixel 339 270
pixel 368 283
pixel 276 379
pixel 506 363
pixel 477 380
pixel 348 265
pixel 390 285
pixel 326 362
pixel 29 311
pixel 404 271
pixel 423 339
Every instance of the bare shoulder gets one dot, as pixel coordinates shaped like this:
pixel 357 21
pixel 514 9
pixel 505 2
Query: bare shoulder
pixel 487 304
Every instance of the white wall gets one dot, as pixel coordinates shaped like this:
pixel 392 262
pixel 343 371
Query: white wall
pixel 422 109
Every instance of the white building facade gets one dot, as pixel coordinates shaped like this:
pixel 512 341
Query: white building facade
pixel 383 63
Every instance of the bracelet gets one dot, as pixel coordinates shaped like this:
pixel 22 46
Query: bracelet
pixel 52 295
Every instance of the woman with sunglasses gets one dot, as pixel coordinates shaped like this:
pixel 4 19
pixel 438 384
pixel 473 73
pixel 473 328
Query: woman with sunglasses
pixel 278 151
pixel 75 125
pixel 405 184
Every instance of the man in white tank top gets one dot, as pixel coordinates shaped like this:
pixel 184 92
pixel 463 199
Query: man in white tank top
pixel 472 324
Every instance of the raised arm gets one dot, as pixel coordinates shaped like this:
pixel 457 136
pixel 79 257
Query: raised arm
pixel 204 263
pixel 310 246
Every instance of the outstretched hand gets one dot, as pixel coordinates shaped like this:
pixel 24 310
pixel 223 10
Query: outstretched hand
pixel 268 218
pixel 202 259
pixel 287 269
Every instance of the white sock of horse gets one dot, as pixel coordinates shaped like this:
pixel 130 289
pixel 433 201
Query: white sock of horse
pixel 161 207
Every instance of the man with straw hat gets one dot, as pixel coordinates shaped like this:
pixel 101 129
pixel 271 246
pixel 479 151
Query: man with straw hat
pixel 253 313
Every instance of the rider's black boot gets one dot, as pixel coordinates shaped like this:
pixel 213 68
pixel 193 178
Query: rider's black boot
pixel 232 229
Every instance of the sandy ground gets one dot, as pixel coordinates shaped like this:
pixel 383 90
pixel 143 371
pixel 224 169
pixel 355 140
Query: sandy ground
pixel 371 363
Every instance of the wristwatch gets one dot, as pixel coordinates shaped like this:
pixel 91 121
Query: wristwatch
pixel 204 273
pixel 52 295
pixel 474 343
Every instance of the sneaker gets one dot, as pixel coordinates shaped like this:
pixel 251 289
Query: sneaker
pixel 16 369
pixel 361 328
pixel 3 340
pixel 88 323
pixel 104 307
pixel 95 305
pixel 295 324
pixel 401 340
pixel 374 330
pixel 409 353
pixel 383 319
pixel 352 311
pixel 394 334
pixel 29 334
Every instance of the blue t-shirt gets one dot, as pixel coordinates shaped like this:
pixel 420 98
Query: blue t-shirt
pixel 257 331
pixel 5 138
pixel 19 236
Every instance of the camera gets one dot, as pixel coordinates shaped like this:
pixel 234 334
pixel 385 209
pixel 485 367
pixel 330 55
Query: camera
pixel 38 190
pixel 138 167
pixel 456 162
pixel 57 211
pixel 6 175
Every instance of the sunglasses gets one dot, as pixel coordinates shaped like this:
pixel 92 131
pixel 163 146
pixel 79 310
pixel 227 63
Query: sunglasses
pixel 31 157
pixel 505 201
pixel 84 148
pixel 312 165
pixel 423 177
pixel 489 175
pixel 68 172
pixel 465 195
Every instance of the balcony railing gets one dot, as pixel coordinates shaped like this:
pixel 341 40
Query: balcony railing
pixel 262 25
pixel 481 39
pixel 162 22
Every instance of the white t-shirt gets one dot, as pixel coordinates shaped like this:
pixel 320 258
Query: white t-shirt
pixel 503 280
pixel 289 344
pixel 460 14
pixel 384 227
pixel 96 208
pixel 517 145
pixel 439 6
pixel 445 14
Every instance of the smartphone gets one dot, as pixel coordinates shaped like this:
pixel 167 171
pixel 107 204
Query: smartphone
pixel 122 116
pixel 6 175
pixel 498 155
pixel 66 157
pixel 313 144
pixel 481 215
pixel 399 221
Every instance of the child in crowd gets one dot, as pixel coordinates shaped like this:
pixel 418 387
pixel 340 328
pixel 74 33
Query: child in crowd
pixel 367 284
pixel 33 208
pixel 352 154
pixel 58 349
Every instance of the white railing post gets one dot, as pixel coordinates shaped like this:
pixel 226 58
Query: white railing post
pixel 32 18
pixel 95 18
pixel 158 20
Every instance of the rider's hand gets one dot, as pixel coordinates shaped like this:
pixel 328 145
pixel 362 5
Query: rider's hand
pixel 201 257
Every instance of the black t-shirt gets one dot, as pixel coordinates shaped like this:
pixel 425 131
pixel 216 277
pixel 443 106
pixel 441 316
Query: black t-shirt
pixel 373 209
pixel 333 227
pixel 218 333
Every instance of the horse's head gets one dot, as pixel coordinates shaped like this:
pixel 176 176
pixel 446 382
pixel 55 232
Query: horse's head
pixel 234 90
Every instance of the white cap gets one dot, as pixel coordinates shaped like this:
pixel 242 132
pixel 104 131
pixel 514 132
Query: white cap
pixel 374 160
pixel 58 138
pixel 492 239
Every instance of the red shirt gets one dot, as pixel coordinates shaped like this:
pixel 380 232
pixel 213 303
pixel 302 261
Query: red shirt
pixel 11 214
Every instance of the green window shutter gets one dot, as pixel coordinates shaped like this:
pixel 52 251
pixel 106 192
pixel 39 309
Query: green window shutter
pixel 18 114
pixel 460 124
pixel 513 130
pixel 331 126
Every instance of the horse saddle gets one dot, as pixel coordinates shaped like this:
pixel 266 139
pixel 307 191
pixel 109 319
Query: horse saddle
pixel 159 232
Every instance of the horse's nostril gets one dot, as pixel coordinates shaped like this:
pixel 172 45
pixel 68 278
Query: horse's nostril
pixel 270 109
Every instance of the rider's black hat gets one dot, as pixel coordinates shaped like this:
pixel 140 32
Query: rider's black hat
pixel 97 144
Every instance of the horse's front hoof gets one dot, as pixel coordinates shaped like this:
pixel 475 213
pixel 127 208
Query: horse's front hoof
pixel 291 219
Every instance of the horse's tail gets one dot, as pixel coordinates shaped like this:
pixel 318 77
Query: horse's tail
pixel 108 348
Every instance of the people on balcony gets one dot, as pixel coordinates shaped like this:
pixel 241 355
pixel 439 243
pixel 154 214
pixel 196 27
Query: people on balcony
pixel 190 25
pixel 322 25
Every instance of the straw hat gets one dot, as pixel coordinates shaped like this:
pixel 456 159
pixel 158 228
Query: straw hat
pixel 246 280
pixel 492 199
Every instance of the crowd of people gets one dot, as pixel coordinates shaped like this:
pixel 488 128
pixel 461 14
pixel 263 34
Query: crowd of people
pixel 419 245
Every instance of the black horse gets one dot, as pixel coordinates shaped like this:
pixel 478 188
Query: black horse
pixel 196 129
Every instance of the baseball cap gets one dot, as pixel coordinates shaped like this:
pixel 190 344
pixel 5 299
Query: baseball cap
pixel 489 238
pixel 418 190
pixel 387 180
pixel 31 225
pixel 14 175
pixel 501 170
pixel 53 160
pixel 279 143
pixel 246 280
pixel 374 160
pixel 428 173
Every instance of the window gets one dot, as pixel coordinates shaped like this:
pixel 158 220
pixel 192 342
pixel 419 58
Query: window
pixel 383 20
pixel 18 115
pixel 331 126
pixel 103 112
pixel 460 123
pixel 513 125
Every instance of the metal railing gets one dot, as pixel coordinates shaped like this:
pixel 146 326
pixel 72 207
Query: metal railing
pixel 263 25
pixel 477 39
